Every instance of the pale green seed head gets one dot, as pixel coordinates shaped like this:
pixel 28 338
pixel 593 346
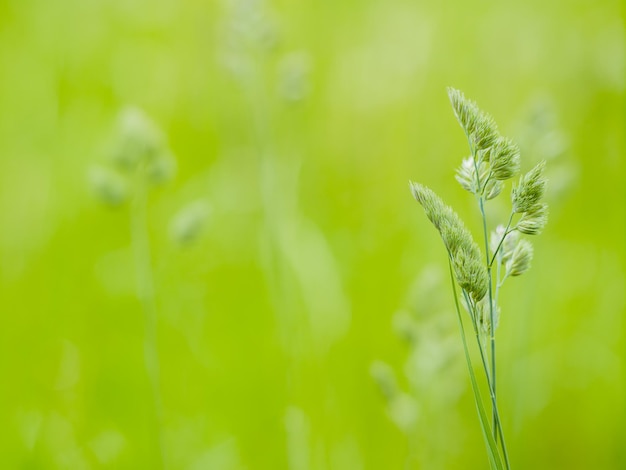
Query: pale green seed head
pixel 493 189
pixel 520 259
pixel 110 187
pixel 469 178
pixel 504 159
pixel 451 228
pixel 455 237
pixel 385 378
pixel 404 412
pixel 162 168
pixel 534 220
pixel 188 224
pixel 485 133
pixel 405 326
pixel 470 273
pixel 464 252
pixel 432 204
pixel 140 146
pixel 484 315
pixel 508 244
pixel 530 189
pixel 469 174
pixel 138 140
pixel 466 111
pixel 466 175
pixel 479 126
pixel 495 237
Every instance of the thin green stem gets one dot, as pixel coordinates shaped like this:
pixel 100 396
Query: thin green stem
pixel 507 230
pixel 492 447
pixel 498 424
pixel 492 336
pixel 498 282
pixel 484 187
pixel 145 293
pixel 481 348
pixel 497 427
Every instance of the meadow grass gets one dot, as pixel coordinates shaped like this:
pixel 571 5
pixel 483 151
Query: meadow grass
pixel 494 159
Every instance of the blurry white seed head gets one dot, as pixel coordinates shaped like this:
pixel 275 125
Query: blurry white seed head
pixel 188 224
pixel 404 326
pixel 520 259
pixel 137 140
pixel 385 378
pixel 161 169
pixel 110 187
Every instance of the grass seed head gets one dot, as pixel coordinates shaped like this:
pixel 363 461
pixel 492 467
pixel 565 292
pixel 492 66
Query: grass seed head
pixel 520 259
pixel 108 186
pixel 534 220
pixel 504 159
pixel 493 188
pixel 530 189
pixel 463 250
pixel 471 274
pixel 479 126
pixel 385 378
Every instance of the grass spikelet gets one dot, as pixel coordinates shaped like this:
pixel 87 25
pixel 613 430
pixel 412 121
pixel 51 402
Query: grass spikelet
pixel 530 189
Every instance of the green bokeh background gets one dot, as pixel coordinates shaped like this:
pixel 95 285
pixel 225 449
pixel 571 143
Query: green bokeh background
pixel 300 124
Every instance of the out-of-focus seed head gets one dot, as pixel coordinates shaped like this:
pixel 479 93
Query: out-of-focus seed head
pixel 188 224
pixel 137 142
pixel 507 246
pixel 466 175
pixel 484 315
pixel 496 236
pixel 404 412
pixel 385 378
pixel 473 175
pixel 404 326
pixel 294 82
pixel 140 147
pixel 108 185
pixel 161 169
pixel 520 259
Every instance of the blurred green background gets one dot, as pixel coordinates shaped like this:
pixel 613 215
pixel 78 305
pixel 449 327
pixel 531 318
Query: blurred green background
pixel 298 125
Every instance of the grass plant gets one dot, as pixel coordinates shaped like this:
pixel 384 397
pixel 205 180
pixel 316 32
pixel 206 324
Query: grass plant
pixel 139 159
pixel 476 277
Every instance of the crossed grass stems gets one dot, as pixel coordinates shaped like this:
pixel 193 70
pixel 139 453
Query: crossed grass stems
pixel 493 160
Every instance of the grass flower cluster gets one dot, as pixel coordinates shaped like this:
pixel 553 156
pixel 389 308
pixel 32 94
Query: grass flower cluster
pixel 478 277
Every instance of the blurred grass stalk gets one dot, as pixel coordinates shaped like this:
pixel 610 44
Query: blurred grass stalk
pixel 138 159
pixel 295 255
pixel 146 295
